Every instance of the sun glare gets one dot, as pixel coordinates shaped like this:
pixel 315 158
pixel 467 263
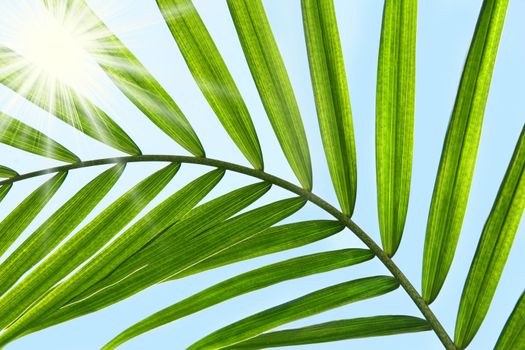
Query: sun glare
pixel 55 46
pixel 53 49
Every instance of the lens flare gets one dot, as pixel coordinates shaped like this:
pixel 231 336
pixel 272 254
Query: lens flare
pixel 55 49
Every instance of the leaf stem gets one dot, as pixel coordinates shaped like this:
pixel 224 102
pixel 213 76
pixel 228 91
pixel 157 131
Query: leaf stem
pixel 358 231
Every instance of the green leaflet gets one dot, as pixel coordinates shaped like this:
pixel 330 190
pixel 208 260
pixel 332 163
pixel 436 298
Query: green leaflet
pixel 513 335
pixel 133 79
pixel 142 232
pixel 75 251
pixel 395 99
pixel 56 228
pixel 18 220
pixel 162 257
pixel 272 240
pixel 273 84
pixel 305 306
pixel 331 97
pixel 178 255
pixel 6 172
pixel 211 74
pixel 458 158
pixel 202 218
pixel 245 283
pixel 493 249
pixel 336 330
pixel 66 104
pixel 4 190
pixel 22 136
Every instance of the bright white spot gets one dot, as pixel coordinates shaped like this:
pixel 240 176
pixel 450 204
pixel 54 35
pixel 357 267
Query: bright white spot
pixel 55 46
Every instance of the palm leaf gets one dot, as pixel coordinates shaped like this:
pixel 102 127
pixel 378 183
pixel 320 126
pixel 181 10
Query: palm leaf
pixel 272 240
pixel 6 172
pixel 4 190
pixel 513 335
pixel 162 257
pixel 22 136
pixel 67 268
pixel 308 305
pixel 493 248
pixel 336 330
pixel 245 283
pixel 396 78
pixel 331 97
pixel 142 232
pixel 76 250
pixel 18 220
pixel 273 84
pixel 134 80
pixel 64 102
pixel 458 158
pixel 177 255
pixel 56 228
pixel 212 75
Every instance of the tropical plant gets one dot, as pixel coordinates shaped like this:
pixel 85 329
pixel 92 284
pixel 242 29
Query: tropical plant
pixel 55 276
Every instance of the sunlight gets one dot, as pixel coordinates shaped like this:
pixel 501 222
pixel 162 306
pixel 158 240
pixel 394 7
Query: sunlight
pixel 54 44
pixel 53 49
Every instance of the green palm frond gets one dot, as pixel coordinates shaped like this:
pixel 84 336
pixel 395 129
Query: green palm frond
pixel 336 330
pixel 67 105
pixel 513 335
pixel 17 134
pixel 458 159
pixel 307 305
pixel 332 98
pixel 493 248
pixel 245 283
pixel 101 246
pixel 213 77
pixel 396 80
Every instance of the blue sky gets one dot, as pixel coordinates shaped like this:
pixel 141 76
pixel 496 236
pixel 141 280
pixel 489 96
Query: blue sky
pixel 444 32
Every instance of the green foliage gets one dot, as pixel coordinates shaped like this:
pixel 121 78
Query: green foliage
pixel 71 266
pixel 336 330
pixel 513 335
pixel 274 87
pixel 456 169
pixel 17 134
pixel 332 98
pixel 308 305
pixel 211 74
pixel 493 248
pixel 65 103
pixel 396 90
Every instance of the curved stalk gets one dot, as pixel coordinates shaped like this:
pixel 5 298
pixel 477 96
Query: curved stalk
pixel 360 233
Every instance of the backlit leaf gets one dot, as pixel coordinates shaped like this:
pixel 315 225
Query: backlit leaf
pixel 395 100
pixel 245 283
pixel 63 102
pixel 493 248
pixel 75 251
pixel 56 228
pixel 336 330
pixel 133 79
pixel 273 84
pixel 305 306
pixel 6 172
pixel 17 221
pixel 513 335
pixel 211 74
pixel 332 98
pixel 458 159
pixel 20 135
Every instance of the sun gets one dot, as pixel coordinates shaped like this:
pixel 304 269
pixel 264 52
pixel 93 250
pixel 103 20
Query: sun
pixel 54 49
pixel 53 43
